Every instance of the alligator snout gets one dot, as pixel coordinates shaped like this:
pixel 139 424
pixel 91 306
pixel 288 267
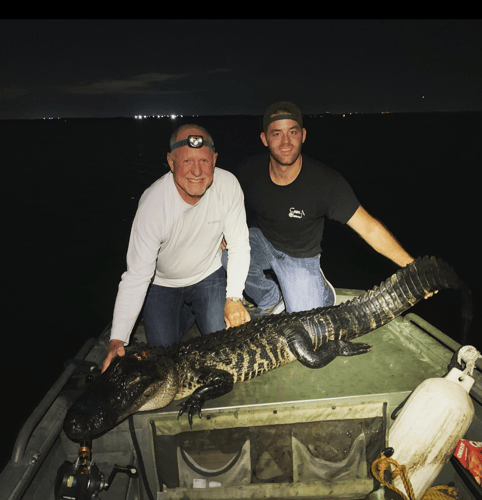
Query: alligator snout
pixel 77 426
pixel 87 418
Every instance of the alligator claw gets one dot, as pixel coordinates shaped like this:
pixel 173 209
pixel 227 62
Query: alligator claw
pixel 192 406
pixel 354 348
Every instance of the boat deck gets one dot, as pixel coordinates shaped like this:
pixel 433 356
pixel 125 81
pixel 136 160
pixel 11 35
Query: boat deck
pixel 403 355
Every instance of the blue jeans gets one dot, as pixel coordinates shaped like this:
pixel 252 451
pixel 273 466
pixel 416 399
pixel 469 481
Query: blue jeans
pixel 302 282
pixel 169 312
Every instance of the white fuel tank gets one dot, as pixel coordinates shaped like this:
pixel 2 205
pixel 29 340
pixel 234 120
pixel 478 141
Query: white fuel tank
pixel 425 433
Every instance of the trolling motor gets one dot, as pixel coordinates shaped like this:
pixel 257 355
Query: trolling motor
pixel 82 480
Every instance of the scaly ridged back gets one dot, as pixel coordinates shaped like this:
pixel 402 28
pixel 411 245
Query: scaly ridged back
pixel 241 350
pixel 380 305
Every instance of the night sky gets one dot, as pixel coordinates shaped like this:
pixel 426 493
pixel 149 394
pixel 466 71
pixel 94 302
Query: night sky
pixel 109 68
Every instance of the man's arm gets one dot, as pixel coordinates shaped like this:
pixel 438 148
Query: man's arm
pixel 235 313
pixel 378 237
pixel 144 244
pixel 237 244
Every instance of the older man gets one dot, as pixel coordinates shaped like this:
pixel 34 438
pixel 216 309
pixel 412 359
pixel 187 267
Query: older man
pixel 174 256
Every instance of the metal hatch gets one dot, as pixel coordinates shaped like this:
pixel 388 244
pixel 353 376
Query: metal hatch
pixel 276 451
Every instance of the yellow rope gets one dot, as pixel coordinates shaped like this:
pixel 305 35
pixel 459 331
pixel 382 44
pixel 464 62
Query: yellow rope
pixel 383 463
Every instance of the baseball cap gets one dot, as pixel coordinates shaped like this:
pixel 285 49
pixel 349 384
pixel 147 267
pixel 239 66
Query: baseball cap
pixel 282 110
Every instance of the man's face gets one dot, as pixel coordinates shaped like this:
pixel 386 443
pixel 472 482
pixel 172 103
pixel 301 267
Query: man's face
pixel 193 168
pixel 284 139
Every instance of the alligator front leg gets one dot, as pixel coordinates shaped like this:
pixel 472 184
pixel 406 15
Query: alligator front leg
pixel 214 384
pixel 301 345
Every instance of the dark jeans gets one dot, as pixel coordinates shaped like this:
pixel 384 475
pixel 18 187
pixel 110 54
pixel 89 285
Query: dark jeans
pixel 170 312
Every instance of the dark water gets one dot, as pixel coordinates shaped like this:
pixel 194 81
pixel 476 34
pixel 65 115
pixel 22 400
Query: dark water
pixel 71 189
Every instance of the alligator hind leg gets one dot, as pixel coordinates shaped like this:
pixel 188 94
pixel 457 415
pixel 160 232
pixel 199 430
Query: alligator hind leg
pixel 214 384
pixel 300 344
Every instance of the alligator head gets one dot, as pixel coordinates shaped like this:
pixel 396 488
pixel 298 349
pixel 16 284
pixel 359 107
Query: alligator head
pixel 139 381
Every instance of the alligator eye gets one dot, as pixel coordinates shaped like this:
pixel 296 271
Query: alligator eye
pixel 143 355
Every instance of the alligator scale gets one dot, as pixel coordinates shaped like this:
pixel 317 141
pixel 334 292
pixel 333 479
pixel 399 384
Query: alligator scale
pixel 207 367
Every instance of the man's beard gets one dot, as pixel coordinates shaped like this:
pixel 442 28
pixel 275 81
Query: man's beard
pixel 283 160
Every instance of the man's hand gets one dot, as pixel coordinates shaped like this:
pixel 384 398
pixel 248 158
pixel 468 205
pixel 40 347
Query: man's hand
pixel 235 314
pixel 115 348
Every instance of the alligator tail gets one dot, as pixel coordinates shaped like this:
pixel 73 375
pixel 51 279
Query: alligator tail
pixel 394 296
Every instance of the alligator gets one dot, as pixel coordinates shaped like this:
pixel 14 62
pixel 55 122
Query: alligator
pixel 206 367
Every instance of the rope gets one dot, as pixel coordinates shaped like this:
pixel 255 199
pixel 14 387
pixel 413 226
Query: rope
pixel 382 464
pixel 469 355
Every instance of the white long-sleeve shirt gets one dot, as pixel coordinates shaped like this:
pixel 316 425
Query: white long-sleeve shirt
pixel 175 244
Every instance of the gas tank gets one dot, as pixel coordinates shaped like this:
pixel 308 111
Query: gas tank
pixel 425 433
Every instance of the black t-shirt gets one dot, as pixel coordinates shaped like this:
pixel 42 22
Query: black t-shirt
pixel 292 217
